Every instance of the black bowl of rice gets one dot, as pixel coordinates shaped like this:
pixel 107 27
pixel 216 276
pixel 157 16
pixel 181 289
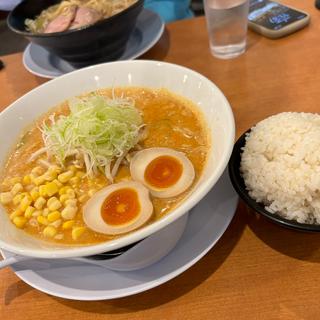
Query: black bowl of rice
pixel 81 32
pixel 275 169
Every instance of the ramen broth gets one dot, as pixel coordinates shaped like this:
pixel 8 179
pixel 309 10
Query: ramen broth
pixel 170 121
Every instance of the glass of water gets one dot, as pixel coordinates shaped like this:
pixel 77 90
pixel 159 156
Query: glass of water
pixel 227 23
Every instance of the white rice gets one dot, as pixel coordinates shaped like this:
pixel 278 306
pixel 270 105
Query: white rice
pixel 280 165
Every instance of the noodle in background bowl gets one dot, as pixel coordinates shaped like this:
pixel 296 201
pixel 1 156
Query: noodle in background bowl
pixel 153 74
pixel 103 41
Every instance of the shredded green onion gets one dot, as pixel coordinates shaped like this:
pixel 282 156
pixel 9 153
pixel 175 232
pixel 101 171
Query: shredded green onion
pixel 98 130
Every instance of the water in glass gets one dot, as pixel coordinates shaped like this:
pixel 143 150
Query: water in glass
pixel 227 22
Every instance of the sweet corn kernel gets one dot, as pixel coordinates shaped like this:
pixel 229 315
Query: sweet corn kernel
pixel 74 180
pixel 69 212
pixel 71 193
pixel 51 189
pixel 52 200
pixel 56 223
pixel 17 199
pixel 25 202
pixel 29 187
pixel 72 168
pixel 6 197
pixel 77 232
pixel 58 183
pixel 37 213
pixel 92 184
pixel 71 202
pixel 34 193
pixel 64 190
pixel 16 188
pixel 35 189
pixel 65 177
pixel 68 224
pixel 37 171
pixel 15 213
pixel 45 212
pixel 83 198
pixel 49 231
pixel 28 213
pixel 80 174
pixel 63 198
pixel 19 221
pixel 50 174
pixel 26 179
pixel 55 168
pixel 54 204
pixel 42 220
pixel 39 203
pixel 53 216
pixel 38 180
pixel 42 191
pixel 91 192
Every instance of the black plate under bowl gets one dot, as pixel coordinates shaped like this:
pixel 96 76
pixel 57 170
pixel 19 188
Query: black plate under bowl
pixel 100 42
pixel 114 253
pixel 238 184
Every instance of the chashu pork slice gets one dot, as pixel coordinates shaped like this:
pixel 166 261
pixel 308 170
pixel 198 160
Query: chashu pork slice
pixel 63 21
pixel 85 16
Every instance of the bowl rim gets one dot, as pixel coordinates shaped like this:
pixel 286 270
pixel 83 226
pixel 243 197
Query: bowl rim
pixel 239 185
pixel 67 32
pixel 183 208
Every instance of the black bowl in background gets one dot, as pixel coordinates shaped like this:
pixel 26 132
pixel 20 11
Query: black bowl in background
pixel 239 185
pixel 101 42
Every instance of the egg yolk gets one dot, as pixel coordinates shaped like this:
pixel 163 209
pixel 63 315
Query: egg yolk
pixel 120 207
pixel 163 172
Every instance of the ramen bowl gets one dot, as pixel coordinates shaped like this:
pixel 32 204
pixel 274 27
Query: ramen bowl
pixel 182 81
pixel 103 41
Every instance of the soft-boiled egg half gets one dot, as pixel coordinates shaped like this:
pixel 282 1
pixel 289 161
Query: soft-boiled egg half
pixel 165 172
pixel 118 208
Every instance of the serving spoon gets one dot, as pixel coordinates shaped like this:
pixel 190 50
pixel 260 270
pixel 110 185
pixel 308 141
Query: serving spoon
pixel 97 259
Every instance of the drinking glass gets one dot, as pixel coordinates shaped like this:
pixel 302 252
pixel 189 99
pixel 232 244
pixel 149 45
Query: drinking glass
pixel 227 23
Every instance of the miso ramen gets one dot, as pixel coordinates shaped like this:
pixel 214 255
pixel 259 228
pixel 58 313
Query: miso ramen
pixel 104 164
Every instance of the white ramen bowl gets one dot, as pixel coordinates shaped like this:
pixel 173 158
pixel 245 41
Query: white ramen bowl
pixel 185 82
